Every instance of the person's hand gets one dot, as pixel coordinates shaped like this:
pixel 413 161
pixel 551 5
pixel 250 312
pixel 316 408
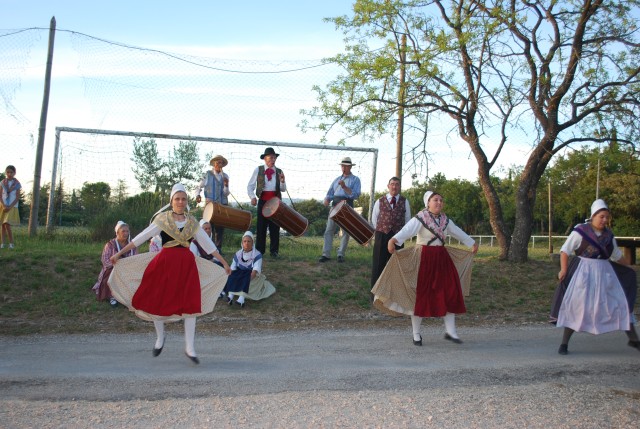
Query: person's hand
pixel 282 177
pixel 198 199
pixel 226 182
pixel 341 183
pixel 114 259
pixel 253 274
pixel 562 274
pixel 326 201
pixel 254 201
pixel 474 248
pixel 391 246
pixel 227 269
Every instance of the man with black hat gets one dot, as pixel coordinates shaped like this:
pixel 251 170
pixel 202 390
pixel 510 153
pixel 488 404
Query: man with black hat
pixel 266 182
pixel 344 187
pixel 216 189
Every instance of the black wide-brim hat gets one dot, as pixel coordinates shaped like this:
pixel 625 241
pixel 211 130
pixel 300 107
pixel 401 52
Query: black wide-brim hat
pixel 269 151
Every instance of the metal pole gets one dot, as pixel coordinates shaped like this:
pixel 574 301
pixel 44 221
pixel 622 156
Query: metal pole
pixel 373 183
pixel 52 191
pixel 35 199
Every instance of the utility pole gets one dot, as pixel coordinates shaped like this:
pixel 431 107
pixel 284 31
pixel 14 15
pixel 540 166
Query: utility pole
pixel 401 96
pixel 35 195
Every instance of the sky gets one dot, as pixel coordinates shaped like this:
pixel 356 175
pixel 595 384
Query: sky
pixel 280 30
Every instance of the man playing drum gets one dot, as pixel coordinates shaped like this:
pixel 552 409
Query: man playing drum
pixel 266 182
pixel 390 213
pixel 344 188
pixel 216 189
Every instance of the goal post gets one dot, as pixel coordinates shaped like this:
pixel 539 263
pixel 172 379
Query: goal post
pixel 309 168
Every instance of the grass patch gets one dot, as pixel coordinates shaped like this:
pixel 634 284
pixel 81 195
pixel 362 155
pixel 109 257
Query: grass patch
pixel 47 283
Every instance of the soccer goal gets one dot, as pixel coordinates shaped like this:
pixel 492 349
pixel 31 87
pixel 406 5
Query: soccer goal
pixel 92 155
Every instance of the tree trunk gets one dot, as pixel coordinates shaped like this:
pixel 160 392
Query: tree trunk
pixel 526 199
pixel 496 218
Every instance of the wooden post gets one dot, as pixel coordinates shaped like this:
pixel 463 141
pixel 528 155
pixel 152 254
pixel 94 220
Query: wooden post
pixel 550 222
pixel 35 195
pixel 401 95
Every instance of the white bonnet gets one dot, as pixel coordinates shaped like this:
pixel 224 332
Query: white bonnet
pixel 178 187
pixel 203 221
pixel 119 225
pixel 426 197
pixel 598 205
pixel 248 233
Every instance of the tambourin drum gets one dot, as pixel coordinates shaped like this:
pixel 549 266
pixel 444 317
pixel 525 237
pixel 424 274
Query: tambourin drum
pixel 227 217
pixel 350 221
pixel 285 217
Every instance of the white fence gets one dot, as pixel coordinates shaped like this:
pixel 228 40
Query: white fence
pixel 488 240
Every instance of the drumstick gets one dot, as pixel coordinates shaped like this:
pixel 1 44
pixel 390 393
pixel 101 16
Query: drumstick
pixel 290 199
pixel 237 202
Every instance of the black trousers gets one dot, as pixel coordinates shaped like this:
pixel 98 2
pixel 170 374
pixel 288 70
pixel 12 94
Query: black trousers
pixel 261 234
pixel 218 234
pixel 380 254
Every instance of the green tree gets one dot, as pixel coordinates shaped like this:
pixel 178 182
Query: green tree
pixel 149 167
pixel 561 72
pixel 574 182
pixel 153 172
pixel 94 198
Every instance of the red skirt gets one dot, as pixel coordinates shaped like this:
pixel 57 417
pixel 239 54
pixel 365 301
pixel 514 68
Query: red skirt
pixel 170 284
pixel 438 289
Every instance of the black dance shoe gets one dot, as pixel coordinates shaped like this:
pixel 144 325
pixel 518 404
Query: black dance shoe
pixel 156 352
pixel 564 349
pixel 453 340
pixel 193 359
pixel 323 259
pixel 418 342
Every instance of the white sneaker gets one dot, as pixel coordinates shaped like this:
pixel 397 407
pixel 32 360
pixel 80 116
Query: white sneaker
pixel 2 246
pixel 11 246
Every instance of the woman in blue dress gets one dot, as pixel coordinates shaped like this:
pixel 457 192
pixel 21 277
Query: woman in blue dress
pixel 246 279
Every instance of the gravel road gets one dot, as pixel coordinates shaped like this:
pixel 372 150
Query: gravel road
pixel 498 378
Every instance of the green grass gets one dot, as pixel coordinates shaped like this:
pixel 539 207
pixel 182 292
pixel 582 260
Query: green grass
pixel 46 288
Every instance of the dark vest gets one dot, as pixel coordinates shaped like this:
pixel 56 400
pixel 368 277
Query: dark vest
pixel 391 220
pixel 260 182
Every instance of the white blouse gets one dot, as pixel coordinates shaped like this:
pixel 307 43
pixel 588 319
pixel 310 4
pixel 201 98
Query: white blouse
pixel 415 228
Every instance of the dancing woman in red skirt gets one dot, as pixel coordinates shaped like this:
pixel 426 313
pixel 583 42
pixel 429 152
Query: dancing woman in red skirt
pixel 174 284
pixel 437 291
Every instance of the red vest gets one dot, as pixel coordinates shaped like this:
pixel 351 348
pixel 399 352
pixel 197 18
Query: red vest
pixel 391 219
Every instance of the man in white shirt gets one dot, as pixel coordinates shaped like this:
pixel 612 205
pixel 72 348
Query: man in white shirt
pixel 267 182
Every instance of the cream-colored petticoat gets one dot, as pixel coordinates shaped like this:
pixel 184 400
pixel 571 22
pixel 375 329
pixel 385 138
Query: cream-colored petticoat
pixel 127 276
pixel 259 288
pixel 395 290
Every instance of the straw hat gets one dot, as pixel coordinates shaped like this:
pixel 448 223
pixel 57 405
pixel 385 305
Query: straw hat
pixel 346 161
pixel 219 158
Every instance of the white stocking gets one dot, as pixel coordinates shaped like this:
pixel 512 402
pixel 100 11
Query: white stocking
pixel 241 299
pixel 159 325
pixel 450 324
pixel 416 321
pixel 190 335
